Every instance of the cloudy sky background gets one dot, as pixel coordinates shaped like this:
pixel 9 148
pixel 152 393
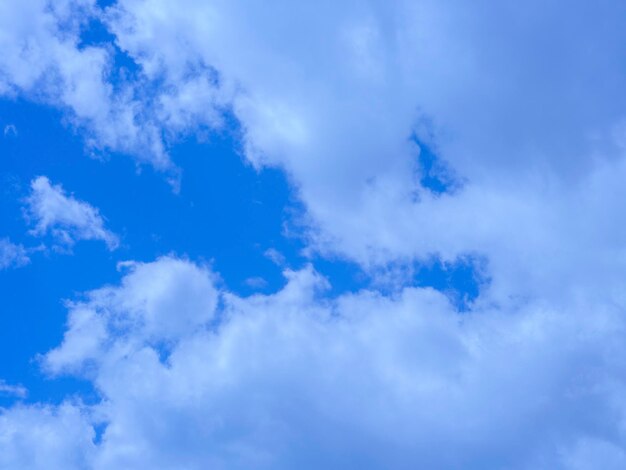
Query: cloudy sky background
pixel 312 235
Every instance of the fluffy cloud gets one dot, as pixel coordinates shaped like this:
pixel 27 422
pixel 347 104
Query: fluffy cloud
pixel 529 118
pixel 67 219
pixel 45 437
pixel 45 60
pixel 530 123
pixel 157 303
pixel 12 255
pixel 523 101
pixel 298 380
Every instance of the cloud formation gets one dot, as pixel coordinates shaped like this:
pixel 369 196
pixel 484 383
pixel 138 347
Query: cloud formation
pixel 523 105
pixel 297 380
pixel 12 390
pixel 333 93
pixel 529 136
pixel 12 255
pixel 45 437
pixel 45 61
pixel 66 218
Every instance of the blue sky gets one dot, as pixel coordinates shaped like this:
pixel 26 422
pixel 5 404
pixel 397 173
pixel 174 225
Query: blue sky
pixel 337 235
pixel 226 214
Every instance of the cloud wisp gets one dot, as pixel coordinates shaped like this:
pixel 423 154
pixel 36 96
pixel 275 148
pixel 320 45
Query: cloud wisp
pixel 12 390
pixel 64 217
pixel 12 255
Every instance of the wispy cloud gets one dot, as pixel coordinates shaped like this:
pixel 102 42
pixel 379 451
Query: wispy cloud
pixel 66 218
pixel 12 390
pixel 12 255
pixel 10 130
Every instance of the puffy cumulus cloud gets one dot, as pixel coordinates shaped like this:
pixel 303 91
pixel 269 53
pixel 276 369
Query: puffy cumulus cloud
pixel 12 255
pixel 36 437
pixel 67 219
pixel 156 303
pixel 523 101
pixel 298 380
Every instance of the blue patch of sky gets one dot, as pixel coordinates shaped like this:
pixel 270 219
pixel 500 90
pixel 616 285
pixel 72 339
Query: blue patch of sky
pixel 461 280
pixel 430 173
pixel 227 214
pixel 105 3
pixel 94 33
pixel 435 174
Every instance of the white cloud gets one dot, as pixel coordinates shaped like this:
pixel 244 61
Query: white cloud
pixel 38 437
pixel 256 283
pixel 332 92
pixel 157 302
pixel 67 219
pixel 44 61
pixel 275 256
pixel 12 255
pixel 297 380
pixel 12 390
pixel 523 100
